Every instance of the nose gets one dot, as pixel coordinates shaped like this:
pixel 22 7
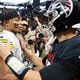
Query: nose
pixel 20 26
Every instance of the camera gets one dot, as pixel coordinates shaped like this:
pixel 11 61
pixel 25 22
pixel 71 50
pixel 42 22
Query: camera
pixel 30 42
pixel 40 38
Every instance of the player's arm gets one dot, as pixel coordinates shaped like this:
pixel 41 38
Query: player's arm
pixel 17 67
pixel 35 59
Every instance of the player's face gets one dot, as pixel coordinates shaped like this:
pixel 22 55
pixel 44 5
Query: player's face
pixel 13 26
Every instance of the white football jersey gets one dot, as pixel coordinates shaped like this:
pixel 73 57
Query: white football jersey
pixel 6 36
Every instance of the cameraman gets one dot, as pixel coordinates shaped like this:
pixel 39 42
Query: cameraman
pixel 64 61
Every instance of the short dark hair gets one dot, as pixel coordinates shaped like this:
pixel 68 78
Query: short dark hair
pixel 9 14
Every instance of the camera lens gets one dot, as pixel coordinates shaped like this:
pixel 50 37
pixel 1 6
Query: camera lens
pixel 41 35
pixel 30 42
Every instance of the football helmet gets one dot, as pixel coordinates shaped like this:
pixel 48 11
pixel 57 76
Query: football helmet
pixel 65 13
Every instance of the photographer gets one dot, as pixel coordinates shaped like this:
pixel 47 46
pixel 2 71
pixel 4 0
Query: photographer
pixel 64 61
pixel 40 44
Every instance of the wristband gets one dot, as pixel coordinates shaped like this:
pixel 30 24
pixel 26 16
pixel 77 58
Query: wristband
pixel 17 67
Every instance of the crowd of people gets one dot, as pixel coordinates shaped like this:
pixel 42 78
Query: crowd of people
pixel 35 48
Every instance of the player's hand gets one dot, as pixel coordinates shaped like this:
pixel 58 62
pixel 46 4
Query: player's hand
pixel 4 49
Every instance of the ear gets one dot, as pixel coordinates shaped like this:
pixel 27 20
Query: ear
pixel 6 23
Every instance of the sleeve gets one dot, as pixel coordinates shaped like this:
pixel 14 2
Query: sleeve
pixel 54 72
pixel 46 72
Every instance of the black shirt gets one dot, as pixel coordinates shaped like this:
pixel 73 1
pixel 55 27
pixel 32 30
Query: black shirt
pixel 66 60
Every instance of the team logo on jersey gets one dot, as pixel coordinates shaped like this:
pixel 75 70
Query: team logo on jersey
pixel 6 41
